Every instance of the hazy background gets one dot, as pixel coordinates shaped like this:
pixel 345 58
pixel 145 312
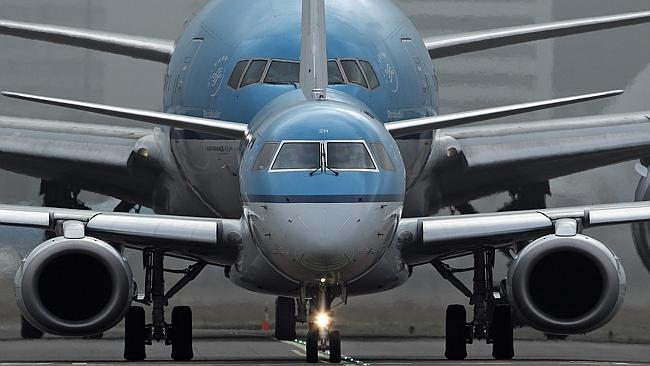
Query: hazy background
pixel 586 63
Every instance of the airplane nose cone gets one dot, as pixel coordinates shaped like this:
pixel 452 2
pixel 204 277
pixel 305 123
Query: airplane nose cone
pixel 311 241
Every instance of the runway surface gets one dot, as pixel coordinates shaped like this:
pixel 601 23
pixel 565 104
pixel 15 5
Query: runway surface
pixel 266 351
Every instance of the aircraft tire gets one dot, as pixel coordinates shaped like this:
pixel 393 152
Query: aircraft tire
pixel 28 331
pixel 182 334
pixel 335 346
pixel 135 335
pixel 312 346
pixel 285 319
pixel 502 337
pixel 455 333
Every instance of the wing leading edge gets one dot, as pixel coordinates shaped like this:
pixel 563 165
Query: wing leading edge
pixel 213 240
pixel 425 239
pixel 134 46
pixel 458 44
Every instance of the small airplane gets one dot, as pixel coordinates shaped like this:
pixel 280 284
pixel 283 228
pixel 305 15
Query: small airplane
pixel 300 148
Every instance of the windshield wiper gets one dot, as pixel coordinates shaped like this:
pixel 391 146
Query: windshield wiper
pixel 332 170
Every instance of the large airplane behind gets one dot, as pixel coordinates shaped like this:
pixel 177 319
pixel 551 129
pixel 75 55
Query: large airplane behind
pixel 309 141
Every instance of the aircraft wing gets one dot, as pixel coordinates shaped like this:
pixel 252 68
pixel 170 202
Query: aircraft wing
pixel 486 159
pixel 214 240
pixel 457 44
pixel 104 159
pixel 423 240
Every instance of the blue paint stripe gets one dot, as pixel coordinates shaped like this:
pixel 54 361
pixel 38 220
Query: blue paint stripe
pixel 324 199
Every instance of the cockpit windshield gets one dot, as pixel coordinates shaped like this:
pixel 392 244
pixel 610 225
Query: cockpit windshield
pixel 320 155
pixel 349 155
pixel 298 156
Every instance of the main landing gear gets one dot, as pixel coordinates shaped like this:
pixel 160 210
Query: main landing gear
pixel 138 334
pixel 492 316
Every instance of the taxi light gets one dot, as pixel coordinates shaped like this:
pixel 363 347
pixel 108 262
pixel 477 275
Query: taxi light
pixel 322 320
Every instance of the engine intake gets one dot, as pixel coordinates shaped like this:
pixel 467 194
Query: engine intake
pixel 74 287
pixel 566 285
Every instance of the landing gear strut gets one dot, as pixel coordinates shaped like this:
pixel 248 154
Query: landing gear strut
pixel 321 336
pixel 492 317
pixel 178 334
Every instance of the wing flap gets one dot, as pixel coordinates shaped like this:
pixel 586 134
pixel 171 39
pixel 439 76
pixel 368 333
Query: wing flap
pixel 137 47
pixel 478 41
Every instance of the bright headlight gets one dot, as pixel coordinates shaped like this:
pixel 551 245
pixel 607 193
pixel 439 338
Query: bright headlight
pixel 322 320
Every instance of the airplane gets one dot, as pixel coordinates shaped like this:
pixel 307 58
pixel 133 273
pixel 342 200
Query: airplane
pixel 301 149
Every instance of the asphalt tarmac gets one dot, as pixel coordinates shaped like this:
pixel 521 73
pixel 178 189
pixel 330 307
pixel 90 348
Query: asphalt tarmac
pixel 267 351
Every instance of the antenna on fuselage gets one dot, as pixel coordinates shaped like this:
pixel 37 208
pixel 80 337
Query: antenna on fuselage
pixel 313 53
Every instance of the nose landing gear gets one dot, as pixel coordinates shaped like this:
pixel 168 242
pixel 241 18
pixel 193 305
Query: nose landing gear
pixel 321 336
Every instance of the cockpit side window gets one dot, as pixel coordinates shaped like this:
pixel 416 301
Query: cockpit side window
pixel 373 81
pixel 298 156
pixel 283 72
pixel 334 73
pixel 349 155
pixel 254 72
pixel 235 77
pixel 266 156
pixel 381 156
pixel 353 72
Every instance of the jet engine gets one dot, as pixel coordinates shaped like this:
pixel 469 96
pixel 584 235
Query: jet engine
pixel 566 285
pixel 74 287
pixel 641 230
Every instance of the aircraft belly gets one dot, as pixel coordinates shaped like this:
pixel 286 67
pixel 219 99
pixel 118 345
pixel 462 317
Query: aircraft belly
pixel 309 241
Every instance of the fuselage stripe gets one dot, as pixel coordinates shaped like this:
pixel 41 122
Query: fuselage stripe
pixel 324 198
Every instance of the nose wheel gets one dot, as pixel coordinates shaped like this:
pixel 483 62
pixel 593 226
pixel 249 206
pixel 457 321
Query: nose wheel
pixel 321 336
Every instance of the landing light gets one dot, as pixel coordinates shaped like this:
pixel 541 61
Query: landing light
pixel 322 320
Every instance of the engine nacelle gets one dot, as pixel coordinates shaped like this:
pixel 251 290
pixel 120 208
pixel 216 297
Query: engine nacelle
pixel 566 285
pixel 641 230
pixel 74 287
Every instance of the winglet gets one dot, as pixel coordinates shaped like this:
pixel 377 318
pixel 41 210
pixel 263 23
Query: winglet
pixel 313 53
pixel 412 126
pixel 209 126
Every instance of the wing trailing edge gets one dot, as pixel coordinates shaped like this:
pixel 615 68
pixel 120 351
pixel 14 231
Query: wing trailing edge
pixel 134 46
pixel 204 125
pixel 413 126
pixel 458 44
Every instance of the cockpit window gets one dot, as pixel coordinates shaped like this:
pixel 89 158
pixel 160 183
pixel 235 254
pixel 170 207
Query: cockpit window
pixel 381 156
pixel 373 81
pixel 353 72
pixel 235 77
pixel 348 155
pixel 334 74
pixel 266 156
pixel 298 156
pixel 254 72
pixel 283 72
